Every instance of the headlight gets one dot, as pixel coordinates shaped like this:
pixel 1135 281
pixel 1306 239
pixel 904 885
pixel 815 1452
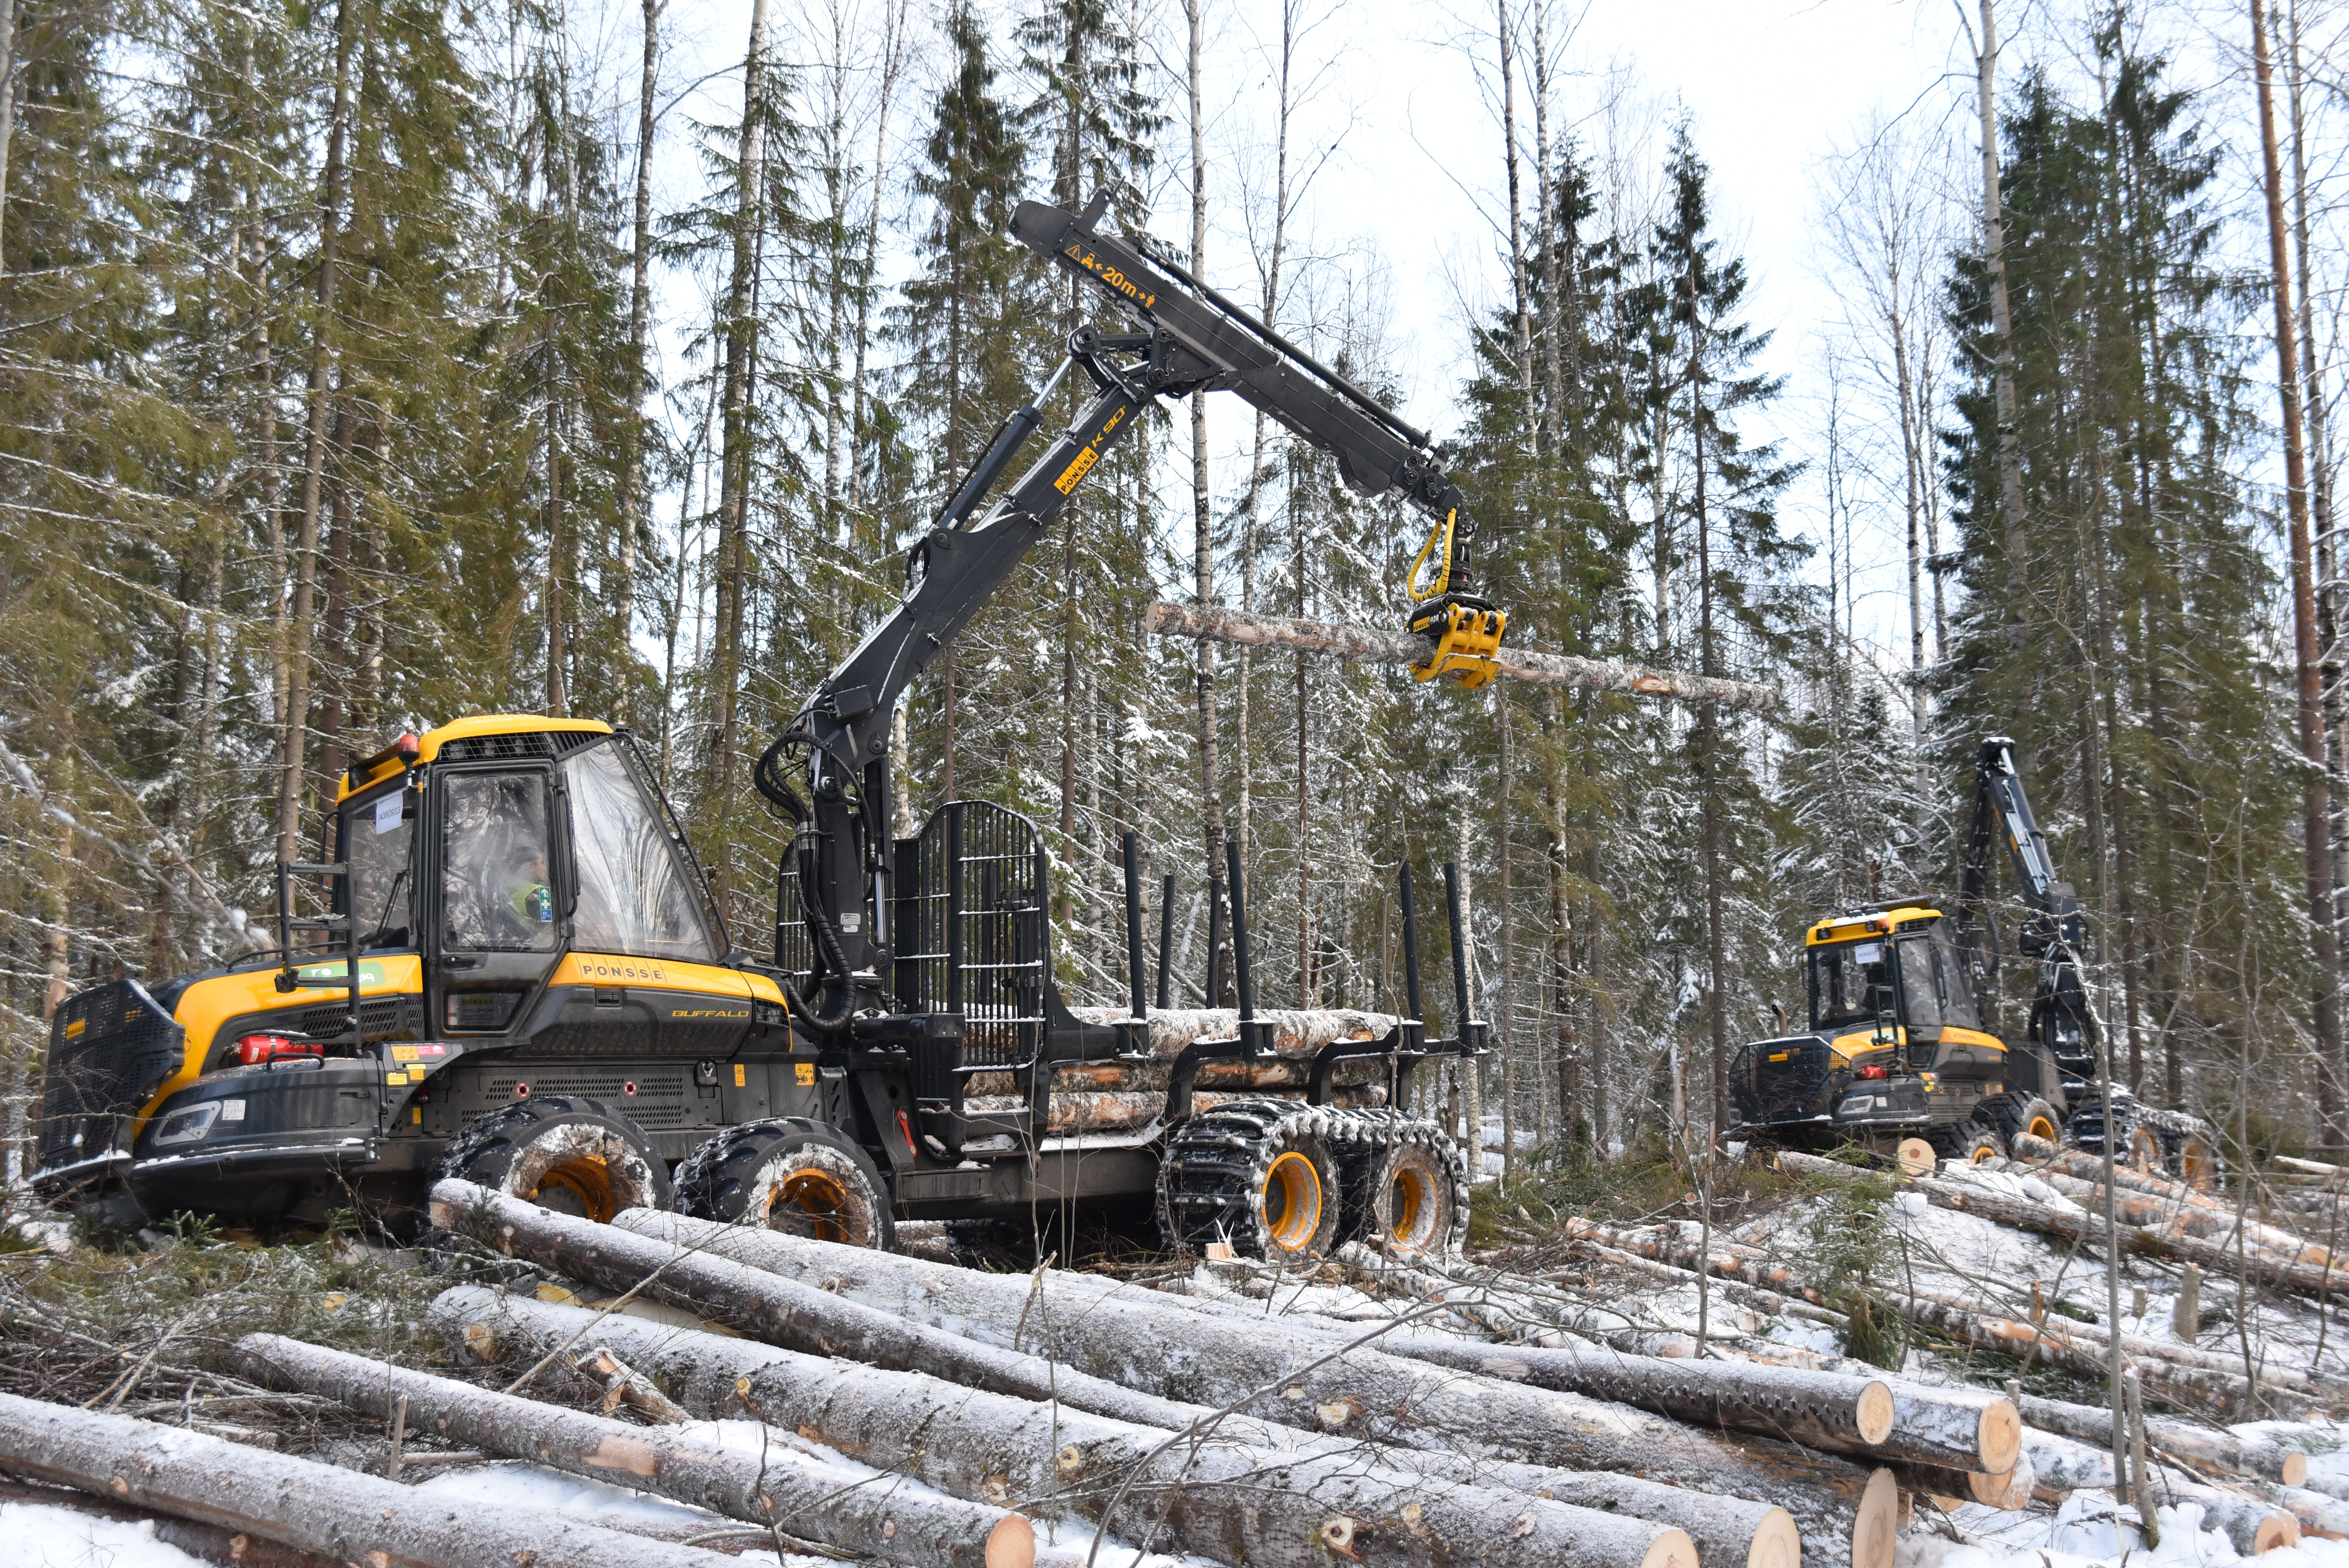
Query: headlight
pixel 189 1125
pixel 1859 1104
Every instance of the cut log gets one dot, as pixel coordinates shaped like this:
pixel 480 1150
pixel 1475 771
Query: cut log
pixel 821 1323
pixel 1247 629
pixel 1094 1110
pixel 1149 1076
pixel 1128 1337
pixel 1725 1260
pixel 205 1542
pixel 827 1504
pixel 2024 1215
pixel 336 1513
pixel 1233 1502
pixel 2208 1448
pixel 2313 1511
pixel 2060 1467
pixel 2171 1216
pixel 1296 1033
pixel 2011 1493
pixel 1953 1429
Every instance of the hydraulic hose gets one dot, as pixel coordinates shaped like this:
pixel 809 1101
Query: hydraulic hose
pixel 831 1020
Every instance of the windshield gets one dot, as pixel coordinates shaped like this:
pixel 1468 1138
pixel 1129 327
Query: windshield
pixel 376 834
pixel 1850 983
pixel 497 894
pixel 635 895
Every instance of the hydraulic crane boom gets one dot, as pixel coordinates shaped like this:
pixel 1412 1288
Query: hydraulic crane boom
pixel 1190 339
pixel 2052 934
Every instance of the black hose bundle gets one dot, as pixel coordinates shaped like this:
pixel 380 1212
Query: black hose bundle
pixel 777 788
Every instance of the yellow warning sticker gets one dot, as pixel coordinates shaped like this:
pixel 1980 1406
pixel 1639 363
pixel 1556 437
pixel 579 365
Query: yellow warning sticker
pixel 806 1072
pixel 741 1081
pixel 403 1053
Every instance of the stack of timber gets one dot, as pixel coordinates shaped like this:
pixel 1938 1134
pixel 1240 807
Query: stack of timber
pixel 1121 1094
pixel 1739 1471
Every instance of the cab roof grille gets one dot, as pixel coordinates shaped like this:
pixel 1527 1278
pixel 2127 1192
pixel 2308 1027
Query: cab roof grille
pixel 536 743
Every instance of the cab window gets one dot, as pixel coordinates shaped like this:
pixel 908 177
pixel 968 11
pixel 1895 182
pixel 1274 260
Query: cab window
pixel 634 897
pixel 1923 987
pixel 497 888
pixel 377 830
pixel 1957 986
pixel 1851 982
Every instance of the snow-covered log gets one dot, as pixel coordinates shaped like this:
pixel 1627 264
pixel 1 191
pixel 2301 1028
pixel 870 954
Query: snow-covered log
pixel 1224 1500
pixel 205 1542
pixel 2205 1448
pixel 1668 1245
pixel 827 1504
pixel 1297 1033
pixel 1104 1110
pixel 2060 1467
pixel 1378 645
pixel 1124 1336
pixel 1966 1197
pixel 1956 1429
pixel 336 1513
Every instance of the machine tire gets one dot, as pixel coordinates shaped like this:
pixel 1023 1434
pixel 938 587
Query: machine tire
pixel 563 1152
pixel 2199 1162
pixel 1406 1184
pixel 792 1175
pixel 2143 1152
pixel 1258 1173
pixel 2015 1115
pixel 1974 1142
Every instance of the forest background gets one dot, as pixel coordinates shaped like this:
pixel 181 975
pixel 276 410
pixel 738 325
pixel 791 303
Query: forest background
pixel 369 363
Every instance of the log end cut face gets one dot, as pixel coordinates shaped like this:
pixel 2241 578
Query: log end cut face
pixel 1875 1529
pixel 1777 1543
pixel 2275 1532
pixel 2000 1434
pixel 1874 1412
pixel 1011 1543
pixel 1671 1549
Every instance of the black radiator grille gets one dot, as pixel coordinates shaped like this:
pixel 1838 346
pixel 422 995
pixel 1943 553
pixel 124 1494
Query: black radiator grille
pixel 659 1099
pixel 1780 1081
pixel 109 1048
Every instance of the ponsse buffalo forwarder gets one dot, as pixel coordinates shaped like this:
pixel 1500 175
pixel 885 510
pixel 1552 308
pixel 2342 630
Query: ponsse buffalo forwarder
pixel 523 978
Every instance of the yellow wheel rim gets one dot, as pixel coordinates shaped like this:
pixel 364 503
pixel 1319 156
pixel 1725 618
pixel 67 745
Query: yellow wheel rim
pixel 809 1203
pixel 1984 1150
pixel 1292 1201
pixel 581 1185
pixel 2145 1154
pixel 2042 1127
pixel 1406 1200
pixel 2197 1164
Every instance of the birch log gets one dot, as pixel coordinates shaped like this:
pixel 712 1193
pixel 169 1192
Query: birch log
pixel 2061 1467
pixel 2205 1448
pixel 2010 1494
pixel 1121 1335
pixel 1227 1500
pixel 824 1503
pixel 334 1512
pixel 821 1323
pixel 1249 630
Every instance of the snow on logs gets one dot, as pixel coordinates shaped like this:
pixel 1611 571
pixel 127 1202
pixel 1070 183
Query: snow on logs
pixel 1191 1492
pixel 1247 629
pixel 2060 1466
pixel 336 1513
pixel 2213 1450
pixel 827 1504
pixel 1128 1337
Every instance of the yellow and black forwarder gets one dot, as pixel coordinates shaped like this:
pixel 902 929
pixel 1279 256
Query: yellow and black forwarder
pixel 1902 1039
pixel 519 977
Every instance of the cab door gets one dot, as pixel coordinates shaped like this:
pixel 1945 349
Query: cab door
pixel 498 900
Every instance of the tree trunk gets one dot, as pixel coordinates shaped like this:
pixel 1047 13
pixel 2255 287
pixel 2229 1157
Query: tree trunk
pixel 1249 630
pixel 2316 811
pixel 734 467
pixel 1231 1502
pixel 1142 1342
pixel 336 1513
pixel 2009 452
pixel 205 1542
pixel 814 1501
pixel 294 741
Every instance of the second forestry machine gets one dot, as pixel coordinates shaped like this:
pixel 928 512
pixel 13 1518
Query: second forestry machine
pixel 1902 1000
pixel 524 982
